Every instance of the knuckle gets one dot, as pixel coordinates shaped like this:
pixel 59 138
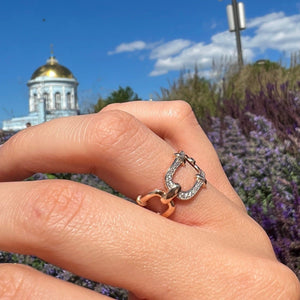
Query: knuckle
pixel 13 280
pixel 111 128
pixel 290 285
pixel 52 207
pixel 180 110
pixel 271 280
pixel 110 106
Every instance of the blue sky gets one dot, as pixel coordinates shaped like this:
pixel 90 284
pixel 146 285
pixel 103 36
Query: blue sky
pixel 142 44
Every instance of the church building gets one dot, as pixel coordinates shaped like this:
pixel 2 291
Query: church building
pixel 52 94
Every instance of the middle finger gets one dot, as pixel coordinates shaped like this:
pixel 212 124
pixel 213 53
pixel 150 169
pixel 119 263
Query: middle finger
pixel 113 145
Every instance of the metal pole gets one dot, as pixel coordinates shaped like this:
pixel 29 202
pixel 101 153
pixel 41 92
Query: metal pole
pixel 237 33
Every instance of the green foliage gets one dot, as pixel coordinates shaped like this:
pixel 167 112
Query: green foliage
pixel 253 77
pixel 118 96
pixel 256 77
pixel 206 97
pixel 230 84
pixel 100 104
pixel 196 90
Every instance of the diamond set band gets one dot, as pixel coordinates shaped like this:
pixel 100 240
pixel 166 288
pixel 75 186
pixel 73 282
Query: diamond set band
pixel 174 189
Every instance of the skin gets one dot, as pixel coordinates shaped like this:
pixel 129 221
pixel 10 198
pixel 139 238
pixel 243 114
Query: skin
pixel 208 249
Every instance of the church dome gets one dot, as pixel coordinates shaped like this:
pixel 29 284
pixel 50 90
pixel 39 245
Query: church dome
pixel 52 69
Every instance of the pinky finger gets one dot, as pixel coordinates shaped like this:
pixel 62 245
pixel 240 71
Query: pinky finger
pixel 21 282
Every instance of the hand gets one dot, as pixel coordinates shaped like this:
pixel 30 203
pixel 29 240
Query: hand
pixel 208 249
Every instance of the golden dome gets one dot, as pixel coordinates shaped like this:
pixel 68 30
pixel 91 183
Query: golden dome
pixel 52 69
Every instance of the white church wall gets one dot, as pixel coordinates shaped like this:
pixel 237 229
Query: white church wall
pixel 59 94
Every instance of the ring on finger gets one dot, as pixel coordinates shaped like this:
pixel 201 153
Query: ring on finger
pixel 174 189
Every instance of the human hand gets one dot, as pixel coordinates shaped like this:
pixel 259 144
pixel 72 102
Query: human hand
pixel 208 249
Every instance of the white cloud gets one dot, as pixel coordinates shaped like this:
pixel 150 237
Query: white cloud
pixel 223 44
pixel 200 54
pixel 129 47
pixel 280 33
pixel 213 25
pixel 274 31
pixel 169 49
pixel 256 22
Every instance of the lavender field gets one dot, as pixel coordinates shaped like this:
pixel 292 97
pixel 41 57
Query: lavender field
pixel 259 147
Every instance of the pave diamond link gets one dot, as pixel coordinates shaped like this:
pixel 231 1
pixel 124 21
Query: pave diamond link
pixel 180 160
pixel 174 189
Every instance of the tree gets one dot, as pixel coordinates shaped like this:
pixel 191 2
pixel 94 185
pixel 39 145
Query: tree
pixel 118 96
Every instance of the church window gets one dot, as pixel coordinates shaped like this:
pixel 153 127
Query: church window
pixel 69 103
pixel 47 100
pixel 35 102
pixel 57 100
